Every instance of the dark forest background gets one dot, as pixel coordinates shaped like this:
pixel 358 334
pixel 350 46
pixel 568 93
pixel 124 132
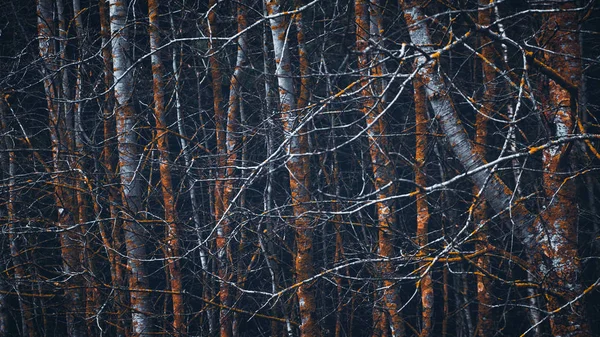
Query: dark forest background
pixel 299 168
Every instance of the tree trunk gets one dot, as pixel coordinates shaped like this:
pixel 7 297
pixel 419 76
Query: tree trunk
pixel 485 322
pixel 298 168
pixel 383 170
pixel 556 227
pixel 426 283
pixel 110 230
pixel 135 241
pixel 162 144
pixel 223 229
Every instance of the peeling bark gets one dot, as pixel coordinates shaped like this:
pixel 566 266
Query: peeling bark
pixel 556 227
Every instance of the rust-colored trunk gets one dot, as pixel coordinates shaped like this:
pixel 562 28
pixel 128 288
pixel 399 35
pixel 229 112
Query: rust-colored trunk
pixel 223 229
pixel 556 227
pixel 426 283
pixel 169 203
pixel 225 253
pixel 383 170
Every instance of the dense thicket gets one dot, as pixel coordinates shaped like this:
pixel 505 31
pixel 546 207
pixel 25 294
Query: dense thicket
pixel 299 168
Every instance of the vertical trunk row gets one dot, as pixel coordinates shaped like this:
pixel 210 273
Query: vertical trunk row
pixel 60 139
pixel 129 156
pixel 162 144
pixel 298 168
pixel 383 170
pixel 426 283
pixel 556 226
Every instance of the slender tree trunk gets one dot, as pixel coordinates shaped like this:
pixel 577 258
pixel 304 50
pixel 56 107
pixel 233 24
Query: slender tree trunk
pixel 485 322
pixel 383 170
pixel 223 229
pixel 162 144
pixel 232 140
pixel 140 301
pixel 83 184
pixel 446 299
pixel 298 168
pixel 269 249
pixel 426 283
pixel 110 230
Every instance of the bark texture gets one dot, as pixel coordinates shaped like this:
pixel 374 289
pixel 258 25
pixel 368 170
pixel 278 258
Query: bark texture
pixel 383 170
pixel 426 283
pixel 298 168
pixel 169 203
pixel 129 158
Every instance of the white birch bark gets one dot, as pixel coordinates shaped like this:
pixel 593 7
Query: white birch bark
pixel 129 175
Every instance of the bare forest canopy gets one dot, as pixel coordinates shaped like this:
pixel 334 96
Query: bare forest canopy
pixel 299 168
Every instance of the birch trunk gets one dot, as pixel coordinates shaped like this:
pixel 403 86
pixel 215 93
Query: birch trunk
pixel 129 156
pixel 110 231
pixel 298 168
pixel 383 170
